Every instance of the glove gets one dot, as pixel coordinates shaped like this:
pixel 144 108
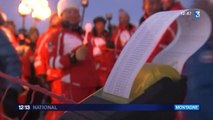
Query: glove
pixel 81 53
pixel 110 44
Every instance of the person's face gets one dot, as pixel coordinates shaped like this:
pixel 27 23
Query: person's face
pixel 99 27
pixel 33 37
pixel 167 4
pixel 71 15
pixel 151 7
pixel 123 18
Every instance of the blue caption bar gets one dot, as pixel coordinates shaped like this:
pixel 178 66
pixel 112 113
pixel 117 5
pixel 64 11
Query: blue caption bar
pixel 102 107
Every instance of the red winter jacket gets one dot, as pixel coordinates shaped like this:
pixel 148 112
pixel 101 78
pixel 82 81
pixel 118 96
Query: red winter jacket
pixel 121 36
pixel 27 59
pixel 41 60
pixel 104 57
pixel 81 74
pixel 168 35
pixel 166 39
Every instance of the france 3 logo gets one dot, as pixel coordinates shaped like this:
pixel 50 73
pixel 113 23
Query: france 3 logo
pixel 197 13
pixel 23 107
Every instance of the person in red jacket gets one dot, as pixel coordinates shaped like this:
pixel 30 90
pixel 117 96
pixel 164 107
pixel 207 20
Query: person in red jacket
pixel 47 76
pixel 70 55
pixel 171 5
pixel 103 51
pixel 26 56
pixel 123 32
pixel 171 31
pixel 151 7
pixel 67 52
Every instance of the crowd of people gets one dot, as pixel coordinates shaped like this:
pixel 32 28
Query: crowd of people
pixel 60 61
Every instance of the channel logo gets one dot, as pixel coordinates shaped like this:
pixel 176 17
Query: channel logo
pixel 185 107
pixel 197 13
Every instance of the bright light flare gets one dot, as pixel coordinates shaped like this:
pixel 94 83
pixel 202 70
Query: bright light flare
pixel 41 13
pixel 23 9
pixel 34 4
pixel 39 8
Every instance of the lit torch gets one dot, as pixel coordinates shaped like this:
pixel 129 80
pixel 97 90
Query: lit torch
pixel 41 10
pixel 24 10
pixel 41 14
